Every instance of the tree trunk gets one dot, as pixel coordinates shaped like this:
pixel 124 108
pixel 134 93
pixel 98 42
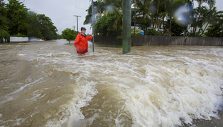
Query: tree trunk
pixel 170 32
pixel 8 39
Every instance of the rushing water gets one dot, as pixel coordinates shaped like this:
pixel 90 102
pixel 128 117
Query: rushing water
pixel 47 84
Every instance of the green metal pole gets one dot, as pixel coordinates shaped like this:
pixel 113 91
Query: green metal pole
pixel 126 26
pixel 92 24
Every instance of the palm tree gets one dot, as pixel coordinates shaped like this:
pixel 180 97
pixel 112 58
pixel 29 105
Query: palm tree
pixel 202 17
pixel 216 28
pixel 99 7
pixel 210 3
pixel 106 10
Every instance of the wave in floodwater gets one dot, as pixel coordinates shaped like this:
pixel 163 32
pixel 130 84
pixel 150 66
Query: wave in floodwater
pixel 149 87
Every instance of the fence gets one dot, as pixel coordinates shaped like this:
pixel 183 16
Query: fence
pixel 167 40
pixel 164 40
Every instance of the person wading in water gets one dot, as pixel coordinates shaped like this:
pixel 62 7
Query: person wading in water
pixel 81 42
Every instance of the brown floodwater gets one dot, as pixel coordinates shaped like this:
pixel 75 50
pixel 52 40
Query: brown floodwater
pixel 45 84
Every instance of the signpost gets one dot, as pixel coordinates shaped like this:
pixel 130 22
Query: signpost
pixel 93 20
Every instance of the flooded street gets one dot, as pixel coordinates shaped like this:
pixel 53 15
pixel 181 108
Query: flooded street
pixel 47 84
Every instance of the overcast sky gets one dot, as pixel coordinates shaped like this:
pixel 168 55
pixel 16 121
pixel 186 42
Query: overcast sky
pixel 61 11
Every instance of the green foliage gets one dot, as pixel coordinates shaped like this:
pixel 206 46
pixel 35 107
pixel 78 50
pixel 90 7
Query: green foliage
pixel 203 17
pixel 110 17
pixel 48 30
pixel 16 20
pixel 177 30
pixel 100 7
pixel 17 15
pixel 3 22
pixel 69 34
pixel 152 32
pixel 216 28
pixel 136 31
pixel 40 26
pixel 33 28
pixel 59 36
pixel 109 24
pixel 155 17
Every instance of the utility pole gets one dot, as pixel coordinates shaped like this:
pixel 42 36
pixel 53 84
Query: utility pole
pixel 77 20
pixel 92 22
pixel 126 26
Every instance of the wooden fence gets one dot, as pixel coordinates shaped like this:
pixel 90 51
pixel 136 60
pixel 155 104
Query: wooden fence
pixel 164 40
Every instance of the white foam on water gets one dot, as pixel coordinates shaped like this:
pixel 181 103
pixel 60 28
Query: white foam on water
pixel 179 98
pixel 10 96
pixel 24 86
pixel 169 93
pixel 36 95
pixel 72 112
pixel 21 54
pixel 16 122
pixel 19 121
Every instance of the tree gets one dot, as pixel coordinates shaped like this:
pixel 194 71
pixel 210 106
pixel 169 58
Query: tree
pixel 156 17
pixel 4 35
pixel 153 15
pixel 17 15
pixel 202 18
pixel 109 24
pixel 40 26
pixel 216 28
pixel 69 34
pixel 143 14
pixel 34 26
pixel 16 20
pixel 47 28
pixel 100 8
pixel 210 3
pixel 177 30
pixel 110 17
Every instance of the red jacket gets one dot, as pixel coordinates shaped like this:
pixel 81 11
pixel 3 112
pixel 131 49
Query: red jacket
pixel 81 43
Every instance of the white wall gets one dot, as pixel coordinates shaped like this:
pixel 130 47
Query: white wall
pixel 18 39
pixel 24 39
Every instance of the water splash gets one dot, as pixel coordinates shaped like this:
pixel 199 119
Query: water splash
pixel 159 86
